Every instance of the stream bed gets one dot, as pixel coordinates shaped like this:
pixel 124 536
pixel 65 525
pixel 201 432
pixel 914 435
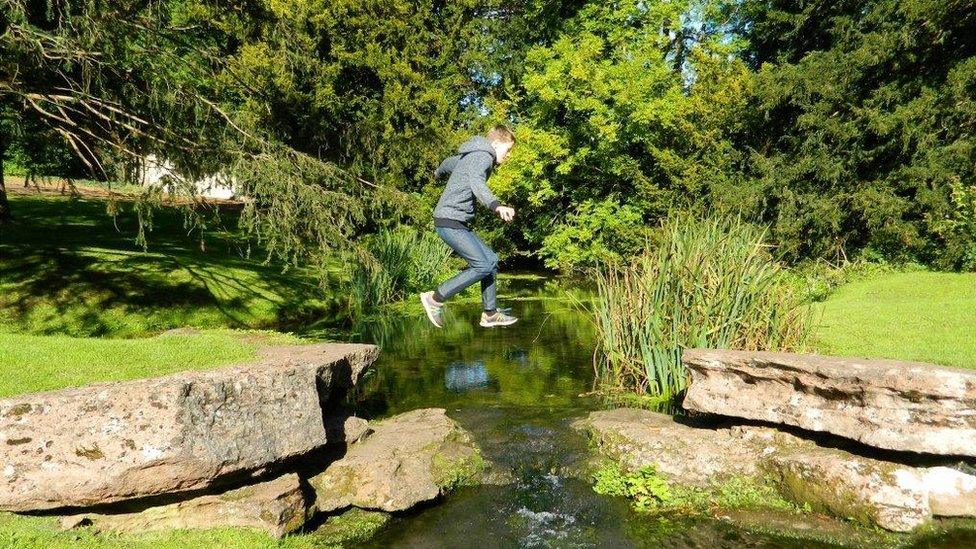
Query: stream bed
pixel 517 390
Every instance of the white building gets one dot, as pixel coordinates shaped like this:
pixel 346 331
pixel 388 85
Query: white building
pixel 154 171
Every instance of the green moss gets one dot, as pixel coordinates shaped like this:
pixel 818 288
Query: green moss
pixel 92 453
pixel 338 482
pixel 459 466
pixel 19 410
pixel 355 525
pixel 650 490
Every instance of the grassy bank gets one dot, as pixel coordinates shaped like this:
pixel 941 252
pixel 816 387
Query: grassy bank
pixel 40 363
pixel 26 532
pixel 919 316
pixel 68 268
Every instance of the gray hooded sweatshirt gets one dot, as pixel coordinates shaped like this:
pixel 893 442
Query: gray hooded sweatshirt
pixel 469 171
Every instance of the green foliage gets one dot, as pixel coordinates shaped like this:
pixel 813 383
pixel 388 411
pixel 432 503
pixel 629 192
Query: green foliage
pixel 613 132
pixel 394 264
pixel 817 280
pixel 650 491
pixel 709 283
pixel 645 486
pixel 862 128
pixel 846 128
pixel 961 222
pixel 596 232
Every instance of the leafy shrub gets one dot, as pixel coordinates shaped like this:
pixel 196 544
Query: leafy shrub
pixel 709 283
pixel 646 487
pixel 649 490
pixel 391 265
pixel 816 280
pixel 598 231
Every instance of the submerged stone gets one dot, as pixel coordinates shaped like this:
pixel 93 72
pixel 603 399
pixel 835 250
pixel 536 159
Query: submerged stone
pixel 882 403
pixel 111 442
pixel 405 460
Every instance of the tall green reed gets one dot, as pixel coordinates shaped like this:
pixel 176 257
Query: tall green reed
pixel 392 264
pixel 708 283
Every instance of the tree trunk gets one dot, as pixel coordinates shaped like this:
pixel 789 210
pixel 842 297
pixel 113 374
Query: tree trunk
pixel 5 216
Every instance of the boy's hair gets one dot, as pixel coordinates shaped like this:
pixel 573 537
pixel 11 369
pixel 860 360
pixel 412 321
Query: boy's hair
pixel 501 134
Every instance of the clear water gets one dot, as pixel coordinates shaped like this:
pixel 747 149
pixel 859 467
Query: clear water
pixel 517 390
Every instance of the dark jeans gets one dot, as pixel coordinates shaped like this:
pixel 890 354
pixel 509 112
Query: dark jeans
pixel 482 265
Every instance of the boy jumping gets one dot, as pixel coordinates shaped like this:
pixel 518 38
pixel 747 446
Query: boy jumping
pixel 469 170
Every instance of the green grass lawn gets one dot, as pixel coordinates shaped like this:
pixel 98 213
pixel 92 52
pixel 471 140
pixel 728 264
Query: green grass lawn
pixel 67 268
pixel 30 363
pixel 27 532
pixel 918 316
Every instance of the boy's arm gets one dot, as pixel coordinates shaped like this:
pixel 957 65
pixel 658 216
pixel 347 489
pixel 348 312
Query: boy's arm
pixel 482 163
pixel 446 167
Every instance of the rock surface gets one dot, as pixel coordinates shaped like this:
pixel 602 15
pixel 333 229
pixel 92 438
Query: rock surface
pixel 405 460
pixel 868 491
pixel 278 507
pixel 894 496
pixel 952 493
pixel 687 455
pixel 116 441
pixel 882 403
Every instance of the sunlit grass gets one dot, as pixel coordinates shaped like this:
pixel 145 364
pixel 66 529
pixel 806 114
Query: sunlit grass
pixel 66 267
pixel 30 363
pixel 27 532
pixel 917 316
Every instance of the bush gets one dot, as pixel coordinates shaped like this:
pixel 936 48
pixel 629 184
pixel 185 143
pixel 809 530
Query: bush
pixel 645 487
pixel 391 265
pixel 598 231
pixel 709 283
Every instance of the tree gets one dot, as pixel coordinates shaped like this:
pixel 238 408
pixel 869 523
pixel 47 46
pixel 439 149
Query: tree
pixel 626 115
pixel 328 115
pixel 863 135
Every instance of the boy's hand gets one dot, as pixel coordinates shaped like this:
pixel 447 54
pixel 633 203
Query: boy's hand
pixel 507 214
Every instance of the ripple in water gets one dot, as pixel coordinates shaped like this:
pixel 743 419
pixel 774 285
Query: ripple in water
pixel 545 527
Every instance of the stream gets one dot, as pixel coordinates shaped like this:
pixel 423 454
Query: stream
pixel 517 390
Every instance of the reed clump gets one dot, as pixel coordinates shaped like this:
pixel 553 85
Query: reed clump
pixel 391 265
pixel 707 283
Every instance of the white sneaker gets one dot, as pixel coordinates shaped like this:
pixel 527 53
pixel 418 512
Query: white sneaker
pixel 434 310
pixel 498 318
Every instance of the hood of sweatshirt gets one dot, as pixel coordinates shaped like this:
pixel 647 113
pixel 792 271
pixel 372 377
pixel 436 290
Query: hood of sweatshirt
pixel 477 143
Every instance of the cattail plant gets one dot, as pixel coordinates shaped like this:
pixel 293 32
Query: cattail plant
pixel 708 283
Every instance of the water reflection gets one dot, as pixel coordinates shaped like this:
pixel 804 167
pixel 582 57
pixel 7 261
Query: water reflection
pixel 544 359
pixel 461 377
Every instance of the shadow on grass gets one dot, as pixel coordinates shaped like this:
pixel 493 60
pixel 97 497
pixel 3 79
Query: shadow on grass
pixel 66 267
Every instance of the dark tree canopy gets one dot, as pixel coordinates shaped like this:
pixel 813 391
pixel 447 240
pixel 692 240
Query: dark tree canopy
pixel 863 127
pixel 846 127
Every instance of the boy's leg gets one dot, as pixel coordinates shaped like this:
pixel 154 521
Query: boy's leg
pixel 480 265
pixel 489 290
pixel 492 316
